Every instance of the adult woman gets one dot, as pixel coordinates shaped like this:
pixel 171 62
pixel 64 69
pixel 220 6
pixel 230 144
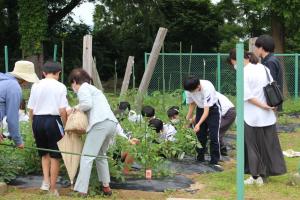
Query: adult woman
pixel 263 154
pixel 101 130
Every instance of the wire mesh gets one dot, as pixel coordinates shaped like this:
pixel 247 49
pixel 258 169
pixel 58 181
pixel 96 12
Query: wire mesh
pixel 205 66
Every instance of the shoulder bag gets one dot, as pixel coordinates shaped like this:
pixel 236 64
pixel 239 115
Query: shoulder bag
pixel 272 92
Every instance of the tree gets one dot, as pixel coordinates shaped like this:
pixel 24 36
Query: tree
pixel 192 22
pixel 9 28
pixel 37 20
pixel 124 28
pixel 32 28
pixel 275 15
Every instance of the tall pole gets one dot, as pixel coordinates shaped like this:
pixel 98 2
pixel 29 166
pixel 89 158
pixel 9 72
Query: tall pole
pixel 190 61
pixel 296 74
pixel 163 77
pixel 62 59
pixel 180 65
pixel 133 76
pixel 156 48
pixel 55 53
pixel 240 121
pixel 219 72
pixel 6 58
pixel 116 77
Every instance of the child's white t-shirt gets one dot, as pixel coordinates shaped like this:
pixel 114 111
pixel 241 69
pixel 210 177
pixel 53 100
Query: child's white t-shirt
pixel 47 97
pixel 169 132
pixel 207 97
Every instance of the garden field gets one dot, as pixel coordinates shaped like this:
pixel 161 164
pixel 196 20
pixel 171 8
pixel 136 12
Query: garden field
pixel 218 185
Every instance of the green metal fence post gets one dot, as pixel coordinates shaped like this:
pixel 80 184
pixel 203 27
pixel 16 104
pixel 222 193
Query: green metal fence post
pixel 204 68
pixel 296 74
pixel 145 60
pixel 219 71
pixel 133 76
pixel 62 59
pixel 190 61
pixel 180 65
pixel 115 78
pixel 163 77
pixel 6 58
pixel 240 121
pixel 55 53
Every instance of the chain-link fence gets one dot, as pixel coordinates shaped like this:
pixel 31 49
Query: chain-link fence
pixel 172 68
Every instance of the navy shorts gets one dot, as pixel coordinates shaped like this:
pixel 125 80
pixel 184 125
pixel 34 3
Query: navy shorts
pixel 47 133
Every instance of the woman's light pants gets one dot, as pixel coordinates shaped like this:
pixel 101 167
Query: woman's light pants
pixel 96 143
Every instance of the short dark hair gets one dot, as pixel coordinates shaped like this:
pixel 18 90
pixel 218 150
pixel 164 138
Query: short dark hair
pixel 79 76
pixel 174 110
pixel 247 55
pixel 123 105
pixel 191 83
pixel 266 42
pixel 156 124
pixel 148 111
pixel 51 67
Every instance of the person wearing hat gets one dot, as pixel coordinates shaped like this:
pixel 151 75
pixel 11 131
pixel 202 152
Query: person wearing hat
pixel 47 109
pixel 11 95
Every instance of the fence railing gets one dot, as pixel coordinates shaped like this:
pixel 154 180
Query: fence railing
pixel 213 67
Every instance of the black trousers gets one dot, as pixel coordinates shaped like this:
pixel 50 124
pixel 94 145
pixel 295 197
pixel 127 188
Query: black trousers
pixel 210 128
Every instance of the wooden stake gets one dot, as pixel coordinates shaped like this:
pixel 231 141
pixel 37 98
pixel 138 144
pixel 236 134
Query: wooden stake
pixel 127 75
pixel 87 57
pixel 159 40
pixel 95 76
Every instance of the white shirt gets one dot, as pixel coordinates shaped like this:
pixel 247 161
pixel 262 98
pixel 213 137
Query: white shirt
pixel 93 102
pixel 226 104
pixel 169 132
pixel 47 97
pixel 255 79
pixel 206 97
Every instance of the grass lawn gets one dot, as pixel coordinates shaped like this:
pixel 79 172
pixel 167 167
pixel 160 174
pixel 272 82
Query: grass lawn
pixel 210 186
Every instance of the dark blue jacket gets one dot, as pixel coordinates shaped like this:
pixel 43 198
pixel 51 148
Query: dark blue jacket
pixel 271 62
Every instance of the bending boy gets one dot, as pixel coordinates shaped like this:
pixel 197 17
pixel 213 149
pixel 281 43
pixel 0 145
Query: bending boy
pixel 202 93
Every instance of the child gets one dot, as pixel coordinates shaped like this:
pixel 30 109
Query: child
pixel 149 112
pixel 122 111
pixel 47 110
pixel 173 114
pixel 202 93
pixel 166 131
pixel 124 106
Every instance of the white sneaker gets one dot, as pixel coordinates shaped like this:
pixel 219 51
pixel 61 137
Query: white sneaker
pixel 259 181
pixel 45 186
pixel 249 181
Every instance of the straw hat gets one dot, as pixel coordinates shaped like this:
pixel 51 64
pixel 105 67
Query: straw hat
pixel 25 70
